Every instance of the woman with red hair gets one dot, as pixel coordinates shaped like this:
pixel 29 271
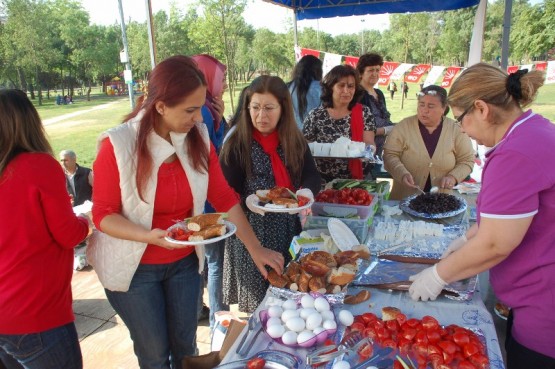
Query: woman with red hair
pixel 156 167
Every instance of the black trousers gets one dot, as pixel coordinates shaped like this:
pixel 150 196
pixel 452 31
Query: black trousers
pixel 520 357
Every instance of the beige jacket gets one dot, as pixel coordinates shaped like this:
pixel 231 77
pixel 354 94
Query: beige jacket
pixel 116 260
pixel 405 152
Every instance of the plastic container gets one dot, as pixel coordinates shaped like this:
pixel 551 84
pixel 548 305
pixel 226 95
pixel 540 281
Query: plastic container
pixel 359 227
pixel 344 210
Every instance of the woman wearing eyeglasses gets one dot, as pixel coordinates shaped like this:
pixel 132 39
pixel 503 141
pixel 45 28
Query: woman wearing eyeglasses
pixel 341 116
pixel 369 66
pixel 427 149
pixel 266 150
pixel 514 235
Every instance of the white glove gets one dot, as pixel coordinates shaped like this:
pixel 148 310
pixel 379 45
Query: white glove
pixel 426 285
pixel 456 244
pixel 251 201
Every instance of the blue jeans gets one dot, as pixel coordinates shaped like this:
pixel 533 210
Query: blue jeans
pixel 160 311
pixel 53 349
pixel 215 261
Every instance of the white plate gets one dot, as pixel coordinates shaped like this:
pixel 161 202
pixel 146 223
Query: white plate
pixel 255 203
pixel 342 235
pixel 230 230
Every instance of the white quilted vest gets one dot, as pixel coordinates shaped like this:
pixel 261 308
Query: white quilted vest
pixel 116 260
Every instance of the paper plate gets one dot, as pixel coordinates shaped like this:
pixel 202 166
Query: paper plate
pixel 230 230
pixel 342 235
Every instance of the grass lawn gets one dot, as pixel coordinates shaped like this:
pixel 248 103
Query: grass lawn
pixel 80 132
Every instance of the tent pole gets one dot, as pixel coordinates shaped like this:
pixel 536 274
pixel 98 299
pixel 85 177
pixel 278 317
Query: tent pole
pixel 506 33
pixel 295 27
pixel 150 29
pixel 477 40
pixel 126 51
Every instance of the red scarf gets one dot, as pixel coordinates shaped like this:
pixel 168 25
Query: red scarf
pixel 270 144
pixel 355 165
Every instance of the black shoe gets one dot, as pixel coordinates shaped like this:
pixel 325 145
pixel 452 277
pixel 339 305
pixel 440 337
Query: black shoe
pixel 204 313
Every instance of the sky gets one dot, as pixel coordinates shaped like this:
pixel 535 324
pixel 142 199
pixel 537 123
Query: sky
pixel 107 12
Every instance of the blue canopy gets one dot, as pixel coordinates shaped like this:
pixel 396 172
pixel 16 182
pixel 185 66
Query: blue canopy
pixel 316 9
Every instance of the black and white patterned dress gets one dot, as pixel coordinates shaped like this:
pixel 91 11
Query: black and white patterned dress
pixel 243 283
pixel 319 126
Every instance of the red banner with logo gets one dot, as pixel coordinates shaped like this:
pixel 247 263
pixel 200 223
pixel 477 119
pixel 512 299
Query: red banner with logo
pixel 541 66
pixel 417 73
pixel 387 70
pixel 511 69
pixel 305 52
pixel 352 61
pixel 449 76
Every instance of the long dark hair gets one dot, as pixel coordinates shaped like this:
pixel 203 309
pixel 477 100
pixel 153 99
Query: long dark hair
pixel 291 139
pixel 171 81
pixel 308 69
pixel 21 129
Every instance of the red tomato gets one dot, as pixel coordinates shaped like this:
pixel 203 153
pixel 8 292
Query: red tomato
pixel 408 333
pixel 448 347
pixel 401 318
pixel 388 342
pixel 404 345
pixel 392 325
pixel 302 200
pixel 397 365
pixel 358 326
pixel 382 333
pixel 479 360
pixel 470 349
pixel 369 317
pixel 461 338
pixel 433 336
pixel 421 337
pixel 413 323
pixel 420 349
pixel 463 364
pixel 447 358
pixel 369 332
pixel 256 363
pixel 430 323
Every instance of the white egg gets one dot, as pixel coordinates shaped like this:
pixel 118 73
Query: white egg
pixel 289 338
pixel 346 318
pixel 275 311
pixel 341 364
pixel 304 336
pixel 273 321
pixel 329 324
pixel 275 331
pixel 307 301
pixel 313 321
pixel 321 304
pixel 296 324
pixel 327 315
pixel 305 313
pixel 289 305
pixel 288 314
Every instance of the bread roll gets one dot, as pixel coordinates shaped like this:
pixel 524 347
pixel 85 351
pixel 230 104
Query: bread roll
pixel 341 276
pixel 316 284
pixel 276 280
pixel 315 268
pixel 277 191
pixel 333 288
pixel 293 271
pixel 361 296
pixel 263 195
pixel 346 257
pixel 303 280
pixel 323 257
pixel 390 313
pixel 290 203
pixel 208 232
pixel 200 222
pixel 363 251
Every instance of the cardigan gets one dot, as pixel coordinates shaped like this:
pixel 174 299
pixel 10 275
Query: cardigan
pixel 38 233
pixel 405 152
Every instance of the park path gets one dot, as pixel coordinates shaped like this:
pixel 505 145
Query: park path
pixel 77 113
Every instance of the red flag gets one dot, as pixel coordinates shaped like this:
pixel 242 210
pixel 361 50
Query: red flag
pixel 449 76
pixel 351 60
pixel 512 69
pixel 541 66
pixel 387 70
pixel 417 73
pixel 304 52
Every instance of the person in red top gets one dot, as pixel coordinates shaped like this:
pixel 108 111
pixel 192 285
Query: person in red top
pixel 156 168
pixel 38 233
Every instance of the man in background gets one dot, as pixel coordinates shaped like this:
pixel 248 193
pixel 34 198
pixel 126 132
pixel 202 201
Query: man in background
pixel 79 180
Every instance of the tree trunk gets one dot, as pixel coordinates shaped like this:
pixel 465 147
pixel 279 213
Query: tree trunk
pixel 22 80
pixel 89 91
pixel 32 91
pixel 39 87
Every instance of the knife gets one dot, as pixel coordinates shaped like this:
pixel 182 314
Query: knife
pixel 400 286
pixel 246 348
pixel 410 259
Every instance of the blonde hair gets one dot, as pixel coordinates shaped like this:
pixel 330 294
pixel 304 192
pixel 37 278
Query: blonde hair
pixel 495 87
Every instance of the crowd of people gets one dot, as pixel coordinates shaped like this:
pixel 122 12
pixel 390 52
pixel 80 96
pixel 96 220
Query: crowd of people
pixel 176 156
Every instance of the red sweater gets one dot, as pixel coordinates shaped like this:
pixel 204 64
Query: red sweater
pixel 37 235
pixel 173 200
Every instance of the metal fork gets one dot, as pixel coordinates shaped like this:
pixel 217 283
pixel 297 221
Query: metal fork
pixel 250 327
pixel 350 343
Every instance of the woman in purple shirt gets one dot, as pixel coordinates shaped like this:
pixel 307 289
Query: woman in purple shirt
pixel 514 236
